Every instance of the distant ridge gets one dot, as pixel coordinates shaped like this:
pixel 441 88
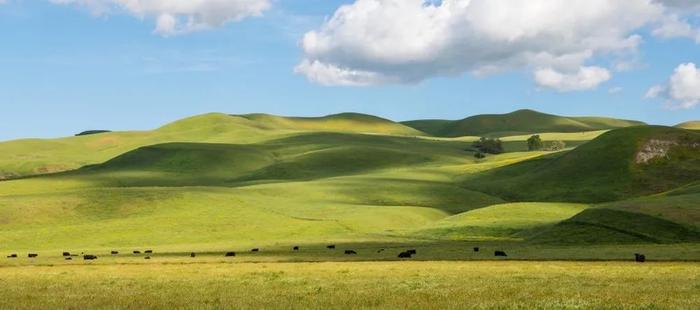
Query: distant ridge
pixel 694 125
pixel 516 123
pixel 342 122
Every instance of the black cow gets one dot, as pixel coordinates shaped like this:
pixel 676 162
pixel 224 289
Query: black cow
pixel 89 257
pixel 193 254
pixel 405 255
pixel 32 255
pixel 230 254
pixel 66 254
pixel 640 258
pixel 500 253
pixel 350 252
pixel 115 252
pixel 148 251
pixel 137 252
pixel 12 256
pixel 331 246
pixel 412 252
pixel 476 249
pixel 69 258
pixel 255 250
pixel 296 248
pixel 147 257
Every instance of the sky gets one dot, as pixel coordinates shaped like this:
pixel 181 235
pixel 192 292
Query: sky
pixel 73 65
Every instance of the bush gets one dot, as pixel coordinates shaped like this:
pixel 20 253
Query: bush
pixel 479 155
pixel 555 146
pixel 489 145
pixel 534 143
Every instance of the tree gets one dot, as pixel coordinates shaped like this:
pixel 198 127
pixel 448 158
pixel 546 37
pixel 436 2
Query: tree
pixel 489 145
pixel 555 146
pixel 534 143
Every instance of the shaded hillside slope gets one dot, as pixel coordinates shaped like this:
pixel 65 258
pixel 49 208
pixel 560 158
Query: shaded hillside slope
pixel 620 164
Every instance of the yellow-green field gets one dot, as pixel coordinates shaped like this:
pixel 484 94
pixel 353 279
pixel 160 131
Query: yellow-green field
pixel 388 285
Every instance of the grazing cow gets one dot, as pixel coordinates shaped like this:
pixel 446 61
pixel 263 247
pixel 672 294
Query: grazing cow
pixel 12 256
pixel 500 253
pixel 640 258
pixel 32 255
pixel 193 254
pixel 89 257
pixel 69 258
pixel 255 250
pixel 412 252
pixel 296 248
pixel 148 251
pixel 115 252
pixel 405 255
pixel 230 254
pixel 331 246
pixel 147 257
pixel 137 252
pixel 66 254
pixel 350 252
pixel 476 249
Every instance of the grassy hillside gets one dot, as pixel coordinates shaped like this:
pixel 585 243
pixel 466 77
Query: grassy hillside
pixel 693 125
pixel 344 122
pixel 500 222
pixel 215 182
pixel 605 169
pixel 36 156
pixel 516 123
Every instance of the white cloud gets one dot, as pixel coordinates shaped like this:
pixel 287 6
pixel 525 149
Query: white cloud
pixel 585 78
pixel 175 17
pixel 682 90
pixel 373 42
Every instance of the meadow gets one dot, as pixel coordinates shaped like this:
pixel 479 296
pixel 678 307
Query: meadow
pixel 358 285
pixel 570 221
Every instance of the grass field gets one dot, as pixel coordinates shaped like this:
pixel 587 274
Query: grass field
pixel 412 285
pixel 569 221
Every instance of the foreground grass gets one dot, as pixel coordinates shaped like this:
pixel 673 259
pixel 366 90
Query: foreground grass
pixel 415 285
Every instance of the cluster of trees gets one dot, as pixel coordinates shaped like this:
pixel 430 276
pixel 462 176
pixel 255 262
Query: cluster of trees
pixel 487 146
pixel 495 146
pixel 535 143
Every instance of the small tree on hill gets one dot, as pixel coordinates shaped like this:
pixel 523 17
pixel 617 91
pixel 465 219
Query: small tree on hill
pixel 534 143
pixel 555 146
pixel 489 145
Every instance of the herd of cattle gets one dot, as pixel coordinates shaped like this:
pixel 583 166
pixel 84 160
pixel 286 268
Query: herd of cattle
pixel 403 255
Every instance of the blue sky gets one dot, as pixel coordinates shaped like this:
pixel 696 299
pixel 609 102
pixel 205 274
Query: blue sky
pixel 64 70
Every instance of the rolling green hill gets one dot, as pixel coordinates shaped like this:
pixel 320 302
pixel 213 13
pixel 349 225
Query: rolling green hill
pixel 35 156
pixel 213 181
pixel 516 123
pixel 693 125
pixel 620 164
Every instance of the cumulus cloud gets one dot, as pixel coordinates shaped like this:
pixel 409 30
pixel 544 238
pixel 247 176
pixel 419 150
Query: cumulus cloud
pixel 373 42
pixel 682 90
pixel 175 17
pixel 585 78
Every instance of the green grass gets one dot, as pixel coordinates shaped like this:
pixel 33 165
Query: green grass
pixel 217 181
pixel 604 169
pixel 413 285
pixel 520 122
pixel 502 221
